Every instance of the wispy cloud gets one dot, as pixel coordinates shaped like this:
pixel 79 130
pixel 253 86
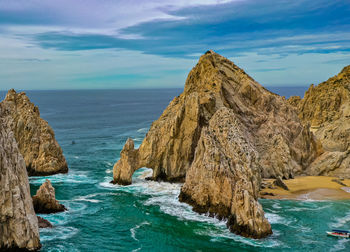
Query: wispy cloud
pixel 68 32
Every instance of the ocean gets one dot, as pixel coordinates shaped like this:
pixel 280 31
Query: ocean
pixel 146 216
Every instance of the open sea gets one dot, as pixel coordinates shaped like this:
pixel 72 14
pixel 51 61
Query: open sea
pixel 147 216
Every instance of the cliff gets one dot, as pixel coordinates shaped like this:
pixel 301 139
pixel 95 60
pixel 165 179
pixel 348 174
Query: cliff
pixel 18 222
pixel 326 107
pixel 221 135
pixel 35 138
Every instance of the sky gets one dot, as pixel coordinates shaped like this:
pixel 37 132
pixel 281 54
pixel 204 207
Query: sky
pixel 108 44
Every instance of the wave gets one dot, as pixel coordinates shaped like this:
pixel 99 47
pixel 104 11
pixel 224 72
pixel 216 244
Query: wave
pixel 57 233
pixel 133 230
pixel 165 196
pixel 142 130
pixel 90 197
pixel 68 178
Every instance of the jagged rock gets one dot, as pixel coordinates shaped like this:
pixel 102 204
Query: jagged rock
pixel 35 138
pixel 224 177
pixel 18 222
pixel 43 223
pixel 282 145
pixel 326 107
pixel 279 182
pixel 44 200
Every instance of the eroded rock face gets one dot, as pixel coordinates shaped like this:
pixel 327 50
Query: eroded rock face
pixel 18 222
pixel 224 177
pixel 285 146
pixel 35 138
pixel 44 200
pixel 181 143
pixel 326 107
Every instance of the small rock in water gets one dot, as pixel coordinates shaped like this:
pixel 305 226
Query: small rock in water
pixel 45 201
pixel 43 223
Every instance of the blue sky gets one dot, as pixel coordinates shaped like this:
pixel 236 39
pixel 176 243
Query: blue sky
pixel 50 44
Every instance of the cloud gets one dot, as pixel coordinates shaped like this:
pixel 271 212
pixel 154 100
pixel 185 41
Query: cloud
pixel 105 43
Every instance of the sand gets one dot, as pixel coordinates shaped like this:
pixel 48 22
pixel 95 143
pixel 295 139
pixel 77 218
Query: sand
pixel 309 187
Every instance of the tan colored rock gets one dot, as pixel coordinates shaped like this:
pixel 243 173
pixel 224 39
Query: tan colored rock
pixel 18 222
pixel 44 200
pixel 191 128
pixel 213 83
pixel 35 138
pixel 326 107
pixel 224 177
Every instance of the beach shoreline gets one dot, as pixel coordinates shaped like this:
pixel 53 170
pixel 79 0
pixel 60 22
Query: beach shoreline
pixel 308 188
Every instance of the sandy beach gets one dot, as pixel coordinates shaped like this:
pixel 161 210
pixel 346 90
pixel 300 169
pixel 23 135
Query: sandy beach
pixel 309 187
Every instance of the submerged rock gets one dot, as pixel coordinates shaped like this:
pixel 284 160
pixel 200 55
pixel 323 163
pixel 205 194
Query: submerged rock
pixel 44 200
pixel 326 107
pixel 35 138
pixel 43 223
pixel 189 142
pixel 18 222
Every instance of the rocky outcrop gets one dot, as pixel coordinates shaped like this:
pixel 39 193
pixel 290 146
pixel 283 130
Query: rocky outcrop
pixel 43 223
pixel 18 222
pixel 224 176
pixel 285 146
pixel 223 133
pixel 44 200
pixel 35 138
pixel 326 107
pixel 279 182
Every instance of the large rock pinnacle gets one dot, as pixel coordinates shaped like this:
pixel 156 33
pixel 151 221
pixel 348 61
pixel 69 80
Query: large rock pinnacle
pixel 220 136
pixel 35 138
pixel 18 222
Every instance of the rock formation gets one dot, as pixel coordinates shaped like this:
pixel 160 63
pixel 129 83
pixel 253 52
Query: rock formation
pixel 44 200
pixel 18 222
pixel 35 138
pixel 43 223
pixel 224 176
pixel 223 133
pixel 326 107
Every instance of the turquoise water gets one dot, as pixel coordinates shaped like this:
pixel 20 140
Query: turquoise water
pixel 147 216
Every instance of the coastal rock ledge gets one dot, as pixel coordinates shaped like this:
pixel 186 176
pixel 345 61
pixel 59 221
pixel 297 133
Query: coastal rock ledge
pixel 221 136
pixel 35 138
pixel 18 222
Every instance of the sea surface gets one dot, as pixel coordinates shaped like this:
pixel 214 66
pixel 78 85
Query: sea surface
pixel 147 216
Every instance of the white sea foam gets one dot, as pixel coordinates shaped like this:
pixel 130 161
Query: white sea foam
pixel 61 248
pixel 68 178
pixel 276 205
pixel 340 245
pixel 346 189
pixel 57 233
pixel 90 197
pixel 109 163
pixel 224 234
pixel 109 171
pixel 165 196
pixel 133 230
pixel 142 130
pixel 311 208
pixel 341 221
